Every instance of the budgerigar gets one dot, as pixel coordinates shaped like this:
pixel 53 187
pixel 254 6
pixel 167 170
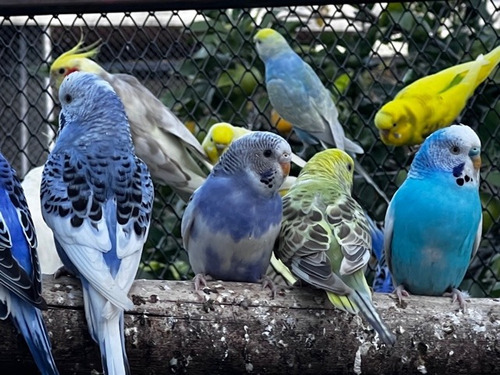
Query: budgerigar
pixel 433 223
pixel 298 95
pixel 97 197
pixel 160 138
pixel 222 134
pixel 47 253
pixel 325 238
pixel 432 102
pixel 231 222
pixel 20 277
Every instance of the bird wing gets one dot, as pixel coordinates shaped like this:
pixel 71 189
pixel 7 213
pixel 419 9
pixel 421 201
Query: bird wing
pixel 352 232
pixel 19 266
pixel 305 240
pixel 101 235
pixel 160 138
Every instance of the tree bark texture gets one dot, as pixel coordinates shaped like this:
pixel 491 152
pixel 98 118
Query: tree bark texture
pixel 237 328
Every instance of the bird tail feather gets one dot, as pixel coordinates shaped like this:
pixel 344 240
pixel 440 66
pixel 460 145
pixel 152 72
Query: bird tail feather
pixel 368 311
pixel 29 321
pixel 107 330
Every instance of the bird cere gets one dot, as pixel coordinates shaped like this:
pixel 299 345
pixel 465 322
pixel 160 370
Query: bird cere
pixel 254 206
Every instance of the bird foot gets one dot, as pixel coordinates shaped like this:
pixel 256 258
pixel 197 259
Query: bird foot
pixel 400 293
pixel 457 295
pixel 200 281
pixel 63 271
pixel 267 282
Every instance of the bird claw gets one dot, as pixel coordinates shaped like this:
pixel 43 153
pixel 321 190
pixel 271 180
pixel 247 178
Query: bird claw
pixel 267 282
pixel 63 271
pixel 400 293
pixel 200 281
pixel 456 296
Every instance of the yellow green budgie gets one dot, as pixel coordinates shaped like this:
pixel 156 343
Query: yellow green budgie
pixel 432 102
pixel 325 237
pixel 159 137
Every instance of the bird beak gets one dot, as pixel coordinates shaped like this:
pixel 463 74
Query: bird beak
pixel 475 155
pixel 285 163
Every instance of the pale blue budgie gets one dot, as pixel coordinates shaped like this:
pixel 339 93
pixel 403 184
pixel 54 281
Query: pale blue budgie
pixel 97 198
pixel 298 95
pixel 231 222
pixel 20 276
pixel 433 223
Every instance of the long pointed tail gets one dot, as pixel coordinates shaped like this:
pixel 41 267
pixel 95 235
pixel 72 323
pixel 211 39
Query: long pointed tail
pixel 368 311
pixel 29 321
pixel 105 323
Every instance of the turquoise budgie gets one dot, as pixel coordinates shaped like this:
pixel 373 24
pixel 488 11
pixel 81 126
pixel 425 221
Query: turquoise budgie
pixel 231 222
pixel 97 197
pixel 299 96
pixel 20 277
pixel 433 223
pixel 325 238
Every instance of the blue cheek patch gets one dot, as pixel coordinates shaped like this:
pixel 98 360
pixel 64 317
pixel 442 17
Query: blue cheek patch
pixel 457 171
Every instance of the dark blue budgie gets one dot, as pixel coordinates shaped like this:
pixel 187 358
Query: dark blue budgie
pixel 20 276
pixel 382 282
pixel 97 197
pixel 231 222
pixel 433 223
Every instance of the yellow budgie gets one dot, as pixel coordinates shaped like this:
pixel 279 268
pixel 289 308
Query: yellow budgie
pixel 159 137
pixel 432 102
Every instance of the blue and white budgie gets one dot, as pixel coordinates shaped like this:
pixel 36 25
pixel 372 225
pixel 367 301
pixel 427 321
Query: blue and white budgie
pixel 231 222
pixel 325 238
pixel 298 95
pixel 20 276
pixel 97 198
pixel 433 223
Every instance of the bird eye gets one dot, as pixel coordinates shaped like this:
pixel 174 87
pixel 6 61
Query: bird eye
pixel 349 167
pixel 62 71
pixel 455 149
pixel 267 153
pixel 394 125
pixel 68 98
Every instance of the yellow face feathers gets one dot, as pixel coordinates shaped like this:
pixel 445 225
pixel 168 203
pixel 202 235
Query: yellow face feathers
pixel 264 34
pixel 76 59
pixel 77 52
pixel 222 134
pixel 394 124
pixel 331 164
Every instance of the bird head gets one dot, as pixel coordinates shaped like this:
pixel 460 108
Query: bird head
pixel 396 124
pixel 76 59
pixel 269 42
pixel 333 165
pixel 263 156
pixel 89 102
pixel 455 150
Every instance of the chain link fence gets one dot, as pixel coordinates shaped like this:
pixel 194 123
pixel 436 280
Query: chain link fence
pixel 203 65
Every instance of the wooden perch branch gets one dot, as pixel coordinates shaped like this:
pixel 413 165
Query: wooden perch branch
pixel 239 329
